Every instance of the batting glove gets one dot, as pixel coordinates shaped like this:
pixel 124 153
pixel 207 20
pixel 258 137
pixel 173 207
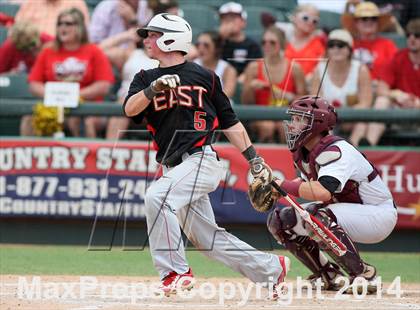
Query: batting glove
pixel 165 82
pixel 259 169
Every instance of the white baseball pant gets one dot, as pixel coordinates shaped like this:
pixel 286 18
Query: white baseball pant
pixel 180 199
pixel 363 223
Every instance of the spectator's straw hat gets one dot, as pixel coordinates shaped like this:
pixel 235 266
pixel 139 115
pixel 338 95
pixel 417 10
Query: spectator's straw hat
pixel 233 8
pixel 365 9
pixel 341 35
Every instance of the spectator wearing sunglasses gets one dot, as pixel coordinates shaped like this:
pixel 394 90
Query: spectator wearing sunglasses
pixel 371 49
pixel 272 81
pixel 18 52
pixel 344 81
pixel 72 59
pixel 306 45
pixel 209 46
pixel 399 86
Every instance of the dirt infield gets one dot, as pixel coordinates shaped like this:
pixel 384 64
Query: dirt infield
pixel 91 293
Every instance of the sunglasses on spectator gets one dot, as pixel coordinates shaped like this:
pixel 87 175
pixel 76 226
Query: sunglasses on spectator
pixel 307 19
pixel 339 44
pixel 204 44
pixel 68 24
pixel 271 42
pixel 415 34
pixel 365 19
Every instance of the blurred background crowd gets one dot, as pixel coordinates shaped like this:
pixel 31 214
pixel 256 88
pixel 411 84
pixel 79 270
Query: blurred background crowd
pixel 357 54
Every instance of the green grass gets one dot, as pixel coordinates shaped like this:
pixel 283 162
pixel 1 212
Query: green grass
pixel 76 260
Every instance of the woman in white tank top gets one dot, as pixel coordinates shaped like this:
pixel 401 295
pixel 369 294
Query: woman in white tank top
pixel 209 47
pixel 345 82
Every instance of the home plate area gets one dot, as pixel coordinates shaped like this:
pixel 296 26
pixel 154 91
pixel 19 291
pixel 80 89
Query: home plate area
pixel 106 292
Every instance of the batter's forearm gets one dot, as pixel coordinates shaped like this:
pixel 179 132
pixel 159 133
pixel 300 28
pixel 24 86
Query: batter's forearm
pixel 238 136
pixel 136 104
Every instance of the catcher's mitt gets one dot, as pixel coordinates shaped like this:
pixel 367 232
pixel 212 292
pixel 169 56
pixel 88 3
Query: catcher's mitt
pixel 261 195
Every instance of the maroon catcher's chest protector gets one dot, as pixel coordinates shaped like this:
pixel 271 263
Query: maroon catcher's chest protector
pixel 309 167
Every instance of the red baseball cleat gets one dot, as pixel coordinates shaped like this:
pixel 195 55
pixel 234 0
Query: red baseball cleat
pixel 279 288
pixel 174 281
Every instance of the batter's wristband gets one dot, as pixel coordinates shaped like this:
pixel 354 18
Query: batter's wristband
pixel 149 92
pixel 291 187
pixel 250 153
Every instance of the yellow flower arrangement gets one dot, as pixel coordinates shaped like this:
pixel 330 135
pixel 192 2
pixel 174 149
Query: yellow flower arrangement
pixel 45 121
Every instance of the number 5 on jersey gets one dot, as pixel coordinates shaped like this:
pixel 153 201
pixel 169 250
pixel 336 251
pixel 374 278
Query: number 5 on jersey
pixel 200 120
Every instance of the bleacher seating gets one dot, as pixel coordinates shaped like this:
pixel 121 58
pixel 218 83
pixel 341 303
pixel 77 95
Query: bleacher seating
pixel 283 5
pixel 329 20
pixel 14 86
pixel 3 34
pixel 201 17
pixel 9 8
pixel 91 4
pixel 398 39
pixel 254 18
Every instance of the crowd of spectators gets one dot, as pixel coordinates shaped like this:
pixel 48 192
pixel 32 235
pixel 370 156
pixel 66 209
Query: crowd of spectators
pixel 356 66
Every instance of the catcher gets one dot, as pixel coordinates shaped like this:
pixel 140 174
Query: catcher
pixel 349 196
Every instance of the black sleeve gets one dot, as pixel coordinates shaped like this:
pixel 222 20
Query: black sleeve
pixel 138 84
pixel 225 114
pixel 330 183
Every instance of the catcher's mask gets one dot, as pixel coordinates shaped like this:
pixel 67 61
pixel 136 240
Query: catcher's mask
pixel 310 116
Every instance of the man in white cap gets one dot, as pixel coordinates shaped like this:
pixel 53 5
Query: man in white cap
pixel 238 48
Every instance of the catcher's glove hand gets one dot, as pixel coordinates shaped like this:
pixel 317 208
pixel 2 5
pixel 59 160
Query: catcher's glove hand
pixel 165 82
pixel 261 195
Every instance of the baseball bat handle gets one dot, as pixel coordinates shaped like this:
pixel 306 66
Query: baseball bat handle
pixel 278 188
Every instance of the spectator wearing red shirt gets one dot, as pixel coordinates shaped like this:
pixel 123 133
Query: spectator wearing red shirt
pixel 72 59
pixel 272 81
pixel 369 48
pixel 400 86
pixel 306 43
pixel 19 51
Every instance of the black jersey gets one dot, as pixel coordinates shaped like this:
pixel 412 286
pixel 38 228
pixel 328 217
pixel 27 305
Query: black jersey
pixel 183 118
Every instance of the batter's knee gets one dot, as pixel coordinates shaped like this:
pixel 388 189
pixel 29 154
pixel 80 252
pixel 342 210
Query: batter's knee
pixel 279 221
pixel 153 200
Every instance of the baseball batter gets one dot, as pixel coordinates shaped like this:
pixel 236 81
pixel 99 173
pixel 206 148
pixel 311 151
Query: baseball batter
pixel 353 201
pixel 183 104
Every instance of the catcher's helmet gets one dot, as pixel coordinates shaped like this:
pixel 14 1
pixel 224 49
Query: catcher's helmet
pixel 177 33
pixel 311 116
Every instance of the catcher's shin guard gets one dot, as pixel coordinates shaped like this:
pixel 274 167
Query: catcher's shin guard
pixel 351 261
pixel 279 223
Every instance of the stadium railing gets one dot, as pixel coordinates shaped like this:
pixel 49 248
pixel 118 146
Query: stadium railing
pixel 19 107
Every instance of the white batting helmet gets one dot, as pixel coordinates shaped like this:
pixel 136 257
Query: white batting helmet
pixel 177 33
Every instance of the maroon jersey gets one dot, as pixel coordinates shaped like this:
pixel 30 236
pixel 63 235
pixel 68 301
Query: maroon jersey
pixel 183 118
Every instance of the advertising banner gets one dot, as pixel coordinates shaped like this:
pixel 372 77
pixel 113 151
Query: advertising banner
pixel 88 179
